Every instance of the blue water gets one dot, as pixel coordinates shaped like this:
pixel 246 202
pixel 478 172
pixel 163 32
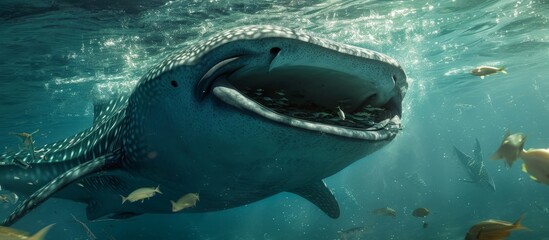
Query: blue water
pixel 60 56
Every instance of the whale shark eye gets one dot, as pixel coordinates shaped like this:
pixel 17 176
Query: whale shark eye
pixel 394 78
pixel 274 50
pixel 174 83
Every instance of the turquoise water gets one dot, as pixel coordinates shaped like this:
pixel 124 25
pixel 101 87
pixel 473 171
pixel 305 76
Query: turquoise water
pixel 59 56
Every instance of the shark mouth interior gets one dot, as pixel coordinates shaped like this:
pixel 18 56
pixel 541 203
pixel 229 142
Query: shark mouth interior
pixel 313 98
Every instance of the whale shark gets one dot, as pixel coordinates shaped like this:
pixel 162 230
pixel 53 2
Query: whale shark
pixel 241 116
pixel 475 167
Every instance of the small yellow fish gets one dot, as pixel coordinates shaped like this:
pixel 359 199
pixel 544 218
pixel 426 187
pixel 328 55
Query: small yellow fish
pixel 493 229
pixel 510 148
pixel 26 138
pixel 7 233
pixel 386 211
pixel 10 198
pixel 186 201
pixel 27 142
pixel 536 164
pixel 483 71
pixel 340 113
pixel 141 194
pixel 420 212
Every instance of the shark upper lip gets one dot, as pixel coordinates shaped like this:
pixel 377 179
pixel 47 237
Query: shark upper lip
pixel 312 103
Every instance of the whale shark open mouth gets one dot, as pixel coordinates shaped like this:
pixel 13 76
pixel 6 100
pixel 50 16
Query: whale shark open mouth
pixel 313 98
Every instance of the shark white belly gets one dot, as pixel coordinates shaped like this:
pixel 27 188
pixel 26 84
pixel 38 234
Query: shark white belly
pixel 246 114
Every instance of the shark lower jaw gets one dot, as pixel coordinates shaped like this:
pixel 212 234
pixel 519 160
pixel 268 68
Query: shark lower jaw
pixel 315 99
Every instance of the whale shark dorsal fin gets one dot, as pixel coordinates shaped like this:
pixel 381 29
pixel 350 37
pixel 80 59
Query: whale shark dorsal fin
pixel 319 194
pixel 109 161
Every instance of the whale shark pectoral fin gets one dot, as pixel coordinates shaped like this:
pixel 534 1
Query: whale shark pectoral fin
pixel 95 210
pixel 105 189
pixel 98 209
pixel 109 161
pixel 319 194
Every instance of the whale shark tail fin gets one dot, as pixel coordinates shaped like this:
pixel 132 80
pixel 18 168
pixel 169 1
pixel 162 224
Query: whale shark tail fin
pixel 108 161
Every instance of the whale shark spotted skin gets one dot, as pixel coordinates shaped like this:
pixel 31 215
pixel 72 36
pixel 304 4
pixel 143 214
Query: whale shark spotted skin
pixel 244 115
pixel 475 167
